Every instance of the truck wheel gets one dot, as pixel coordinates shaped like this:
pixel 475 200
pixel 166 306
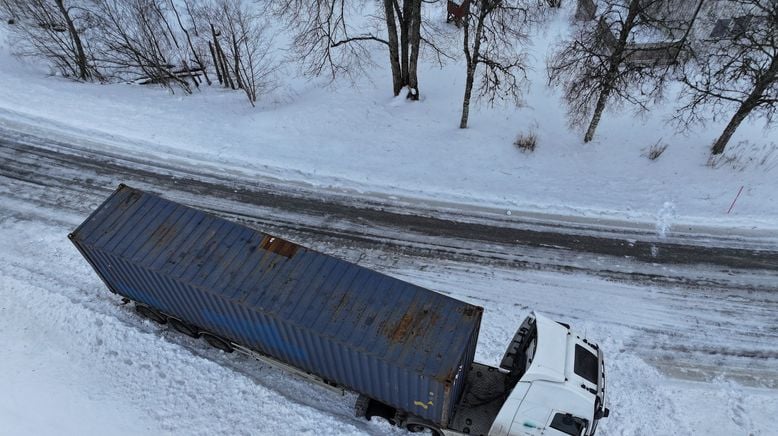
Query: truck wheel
pixel 415 427
pixel 184 328
pixel 149 313
pixel 217 342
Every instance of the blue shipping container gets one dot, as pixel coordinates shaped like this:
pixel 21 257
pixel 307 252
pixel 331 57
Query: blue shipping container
pixel 390 340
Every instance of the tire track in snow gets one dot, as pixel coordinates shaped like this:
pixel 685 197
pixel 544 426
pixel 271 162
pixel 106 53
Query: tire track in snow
pixel 314 216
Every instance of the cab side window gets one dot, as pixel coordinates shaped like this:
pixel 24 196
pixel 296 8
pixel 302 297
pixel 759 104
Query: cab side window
pixel 586 364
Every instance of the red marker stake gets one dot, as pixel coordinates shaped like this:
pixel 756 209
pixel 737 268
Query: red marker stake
pixel 733 201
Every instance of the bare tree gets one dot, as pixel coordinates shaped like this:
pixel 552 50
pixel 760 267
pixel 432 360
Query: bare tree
pixel 136 42
pixel 247 58
pixel 150 41
pixel 326 42
pixel 494 32
pixel 322 38
pixel 408 20
pixel 53 30
pixel 737 70
pixel 602 64
pixel 191 33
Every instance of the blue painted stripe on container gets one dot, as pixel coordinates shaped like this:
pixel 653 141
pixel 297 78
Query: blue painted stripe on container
pixel 390 340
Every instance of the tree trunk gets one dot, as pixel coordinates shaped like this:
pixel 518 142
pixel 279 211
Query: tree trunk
pixel 601 101
pixel 748 105
pixel 236 53
pixel 615 61
pixel 405 31
pixel 721 142
pixel 198 61
pixel 83 69
pixel 215 63
pixel 225 66
pixel 468 93
pixel 414 36
pixel 472 61
pixel 222 60
pixel 394 56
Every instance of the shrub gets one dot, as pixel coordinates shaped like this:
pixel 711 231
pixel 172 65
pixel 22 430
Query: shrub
pixel 747 155
pixel 526 142
pixel 653 152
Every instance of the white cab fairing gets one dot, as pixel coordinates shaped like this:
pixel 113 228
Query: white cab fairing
pixel 549 387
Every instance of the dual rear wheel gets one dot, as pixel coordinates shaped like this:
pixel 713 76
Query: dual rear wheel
pixel 415 427
pixel 183 327
pixel 149 313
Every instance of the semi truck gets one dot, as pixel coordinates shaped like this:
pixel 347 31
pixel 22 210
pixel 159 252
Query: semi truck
pixel 406 351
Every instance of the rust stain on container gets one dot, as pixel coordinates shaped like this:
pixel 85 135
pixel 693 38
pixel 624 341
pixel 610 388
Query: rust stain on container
pixel 130 200
pixel 164 234
pixel 471 310
pixel 279 246
pixel 412 324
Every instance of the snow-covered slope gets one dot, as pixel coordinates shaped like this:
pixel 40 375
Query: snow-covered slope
pixel 357 136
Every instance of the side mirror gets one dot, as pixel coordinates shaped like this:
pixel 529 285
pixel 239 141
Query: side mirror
pixel 602 413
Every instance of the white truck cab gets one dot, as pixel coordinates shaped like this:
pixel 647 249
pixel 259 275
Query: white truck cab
pixel 562 390
pixel 551 381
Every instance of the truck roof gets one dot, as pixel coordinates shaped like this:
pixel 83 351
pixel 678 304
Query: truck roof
pixel 546 363
pixel 391 340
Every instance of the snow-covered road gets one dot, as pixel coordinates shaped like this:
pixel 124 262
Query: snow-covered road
pixel 690 332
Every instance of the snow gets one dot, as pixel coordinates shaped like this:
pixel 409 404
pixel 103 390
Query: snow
pixel 77 361
pixel 356 136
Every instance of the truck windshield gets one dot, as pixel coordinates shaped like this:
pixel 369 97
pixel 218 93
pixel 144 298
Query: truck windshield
pixel 585 364
pixel 568 424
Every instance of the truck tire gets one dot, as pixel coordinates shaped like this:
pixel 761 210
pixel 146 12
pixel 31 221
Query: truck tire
pixel 149 313
pixel 217 342
pixel 184 328
pixel 421 427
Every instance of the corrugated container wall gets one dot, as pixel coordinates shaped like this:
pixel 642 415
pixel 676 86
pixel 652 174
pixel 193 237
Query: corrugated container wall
pixel 392 341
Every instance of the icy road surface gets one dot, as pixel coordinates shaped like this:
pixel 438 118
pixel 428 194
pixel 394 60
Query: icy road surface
pixel 690 332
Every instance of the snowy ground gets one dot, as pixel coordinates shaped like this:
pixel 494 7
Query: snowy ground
pixel 356 136
pixel 680 360
pixel 76 361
